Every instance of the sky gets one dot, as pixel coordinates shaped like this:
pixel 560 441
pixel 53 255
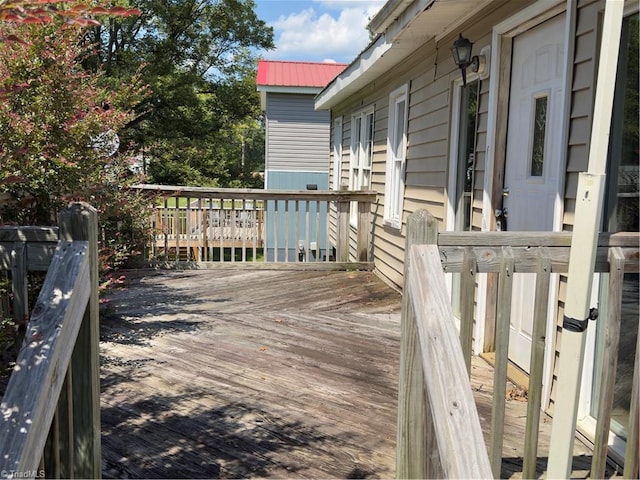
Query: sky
pixel 317 30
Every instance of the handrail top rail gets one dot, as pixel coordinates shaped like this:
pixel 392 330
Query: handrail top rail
pixel 258 194
pixel 14 233
pixel 31 396
pixel 531 239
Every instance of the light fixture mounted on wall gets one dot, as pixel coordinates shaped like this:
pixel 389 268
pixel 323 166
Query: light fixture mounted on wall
pixel 461 51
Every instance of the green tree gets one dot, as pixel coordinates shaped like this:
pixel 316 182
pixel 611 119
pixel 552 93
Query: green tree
pixel 197 58
pixel 55 121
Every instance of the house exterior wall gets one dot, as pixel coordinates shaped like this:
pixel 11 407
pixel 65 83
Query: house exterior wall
pixel 297 135
pixel 430 73
pixel 297 146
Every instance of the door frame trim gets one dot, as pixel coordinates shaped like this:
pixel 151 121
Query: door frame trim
pixel 501 47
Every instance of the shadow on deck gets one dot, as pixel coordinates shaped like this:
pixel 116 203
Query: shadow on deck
pixel 238 374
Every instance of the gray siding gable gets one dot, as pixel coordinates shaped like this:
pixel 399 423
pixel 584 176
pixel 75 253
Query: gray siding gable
pixel 297 135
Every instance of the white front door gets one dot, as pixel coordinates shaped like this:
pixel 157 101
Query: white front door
pixel 534 149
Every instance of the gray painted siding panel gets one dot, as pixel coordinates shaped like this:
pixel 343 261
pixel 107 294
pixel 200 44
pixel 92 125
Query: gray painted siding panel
pixel 298 136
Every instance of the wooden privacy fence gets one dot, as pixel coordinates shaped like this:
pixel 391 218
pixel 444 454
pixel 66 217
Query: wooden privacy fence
pixel 54 386
pixel 210 227
pixel 510 253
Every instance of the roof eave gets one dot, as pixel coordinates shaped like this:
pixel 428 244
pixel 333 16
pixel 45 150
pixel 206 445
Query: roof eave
pixel 391 12
pixel 419 22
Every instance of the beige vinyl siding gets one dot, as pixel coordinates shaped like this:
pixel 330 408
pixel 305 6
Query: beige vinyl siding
pixel 580 121
pixel 480 152
pixel 582 95
pixel 429 72
pixel 297 135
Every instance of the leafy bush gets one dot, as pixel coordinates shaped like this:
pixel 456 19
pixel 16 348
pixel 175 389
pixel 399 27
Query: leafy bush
pixel 58 138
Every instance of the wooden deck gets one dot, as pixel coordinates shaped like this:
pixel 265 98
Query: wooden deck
pixel 273 374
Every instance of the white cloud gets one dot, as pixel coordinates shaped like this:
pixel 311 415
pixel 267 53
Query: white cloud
pixel 332 29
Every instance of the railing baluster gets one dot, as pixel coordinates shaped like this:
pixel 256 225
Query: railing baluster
pixel 275 231
pixel 210 230
pixel 178 227
pixel 609 361
pixel 65 411
pixel 297 229
pixel 166 229
pixel 307 231
pixel 254 230
pixel 234 223
pixel 222 221
pixel 243 230
pixel 467 300
pixel 631 461
pixel 201 232
pixel 505 287
pixel 51 453
pixel 286 230
pixel 188 230
pixel 318 250
pixel 19 283
pixel 327 233
pixel 543 279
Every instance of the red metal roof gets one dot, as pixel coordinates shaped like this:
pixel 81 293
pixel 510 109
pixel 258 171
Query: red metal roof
pixel 277 73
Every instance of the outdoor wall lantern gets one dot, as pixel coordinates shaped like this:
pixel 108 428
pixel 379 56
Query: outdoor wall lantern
pixel 461 51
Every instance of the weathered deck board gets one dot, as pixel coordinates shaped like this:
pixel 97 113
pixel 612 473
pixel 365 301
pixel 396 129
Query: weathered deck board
pixel 245 374
pixel 251 374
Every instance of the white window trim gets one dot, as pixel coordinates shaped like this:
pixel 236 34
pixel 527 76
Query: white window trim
pixel 355 183
pixel 337 153
pixel 358 156
pixel 395 177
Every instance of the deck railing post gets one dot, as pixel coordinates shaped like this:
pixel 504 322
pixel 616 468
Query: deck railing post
pixel 80 222
pixel 364 231
pixel 416 447
pixel 342 239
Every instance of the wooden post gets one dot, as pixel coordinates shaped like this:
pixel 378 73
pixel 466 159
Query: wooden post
pixel 342 240
pixel 416 448
pixel 80 222
pixel 364 231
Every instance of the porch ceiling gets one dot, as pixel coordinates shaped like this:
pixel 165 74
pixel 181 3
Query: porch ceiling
pixel 417 23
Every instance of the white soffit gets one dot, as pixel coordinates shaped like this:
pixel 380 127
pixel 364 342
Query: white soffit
pixel 405 31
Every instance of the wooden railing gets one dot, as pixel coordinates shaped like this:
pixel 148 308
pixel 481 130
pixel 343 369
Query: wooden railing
pixel 54 386
pixel 23 250
pixel 439 433
pixel 210 227
pixel 508 254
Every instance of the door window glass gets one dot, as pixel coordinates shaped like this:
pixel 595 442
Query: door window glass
pixel 539 130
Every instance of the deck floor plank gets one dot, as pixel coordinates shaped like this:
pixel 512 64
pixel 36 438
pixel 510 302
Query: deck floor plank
pixel 263 374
